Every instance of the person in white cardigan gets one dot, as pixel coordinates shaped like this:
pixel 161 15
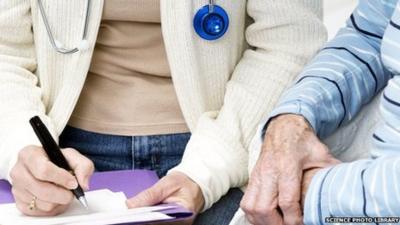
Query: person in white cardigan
pixel 224 88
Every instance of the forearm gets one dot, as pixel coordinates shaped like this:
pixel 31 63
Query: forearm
pixel 221 139
pixel 344 76
pixel 21 97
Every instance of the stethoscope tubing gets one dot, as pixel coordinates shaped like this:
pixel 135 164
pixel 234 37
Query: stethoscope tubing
pixel 198 23
pixel 53 41
pixel 211 4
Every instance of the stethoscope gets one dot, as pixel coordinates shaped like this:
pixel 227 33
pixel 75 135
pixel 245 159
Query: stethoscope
pixel 211 23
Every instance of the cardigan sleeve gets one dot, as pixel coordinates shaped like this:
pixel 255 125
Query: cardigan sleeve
pixel 284 35
pixel 20 95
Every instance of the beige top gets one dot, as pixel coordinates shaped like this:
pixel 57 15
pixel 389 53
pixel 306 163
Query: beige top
pixel 129 90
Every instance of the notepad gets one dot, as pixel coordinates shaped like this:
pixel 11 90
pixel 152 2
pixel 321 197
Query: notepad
pixel 105 207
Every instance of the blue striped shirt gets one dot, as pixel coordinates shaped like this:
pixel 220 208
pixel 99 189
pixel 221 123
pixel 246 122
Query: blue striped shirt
pixel 347 73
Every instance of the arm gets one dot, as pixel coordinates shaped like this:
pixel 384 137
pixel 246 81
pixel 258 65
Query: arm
pixel 365 188
pixel 20 96
pixel 345 75
pixel 216 156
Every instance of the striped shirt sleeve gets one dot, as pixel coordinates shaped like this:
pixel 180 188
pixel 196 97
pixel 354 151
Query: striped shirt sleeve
pixel 365 188
pixel 345 74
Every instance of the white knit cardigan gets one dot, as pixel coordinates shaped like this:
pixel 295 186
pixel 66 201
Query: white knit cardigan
pixel 224 87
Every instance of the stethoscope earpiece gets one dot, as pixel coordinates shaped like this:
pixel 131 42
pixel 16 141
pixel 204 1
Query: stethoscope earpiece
pixel 211 22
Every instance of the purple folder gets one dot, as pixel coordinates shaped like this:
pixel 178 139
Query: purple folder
pixel 131 182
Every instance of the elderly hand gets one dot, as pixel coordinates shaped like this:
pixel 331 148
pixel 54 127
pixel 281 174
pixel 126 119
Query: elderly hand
pixel 173 188
pixel 274 192
pixel 37 180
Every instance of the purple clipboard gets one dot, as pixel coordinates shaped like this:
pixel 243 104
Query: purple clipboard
pixel 131 182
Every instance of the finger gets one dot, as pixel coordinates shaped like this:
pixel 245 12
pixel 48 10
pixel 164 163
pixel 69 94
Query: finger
pixel 43 190
pixel 320 156
pixel 251 220
pixel 247 204
pixel 24 208
pixel 274 218
pixel 42 169
pixel 249 197
pixel 82 166
pixel 156 194
pixel 267 214
pixel 26 196
pixel 330 160
pixel 185 203
pixel 290 196
pixel 260 209
pixel 261 199
pixel 256 183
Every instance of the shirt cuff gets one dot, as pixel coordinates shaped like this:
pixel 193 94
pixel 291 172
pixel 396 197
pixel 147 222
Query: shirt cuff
pixel 295 107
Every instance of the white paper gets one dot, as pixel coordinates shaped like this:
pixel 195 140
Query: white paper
pixel 105 207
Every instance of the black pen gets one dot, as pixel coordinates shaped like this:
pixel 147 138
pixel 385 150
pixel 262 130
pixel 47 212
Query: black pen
pixel 54 153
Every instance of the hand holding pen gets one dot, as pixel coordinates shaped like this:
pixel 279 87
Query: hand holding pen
pixel 40 187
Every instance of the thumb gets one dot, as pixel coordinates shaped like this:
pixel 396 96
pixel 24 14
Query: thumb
pixel 326 157
pixel 330 160
pixel 82 166
pixel 320 157
pixel 154 195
